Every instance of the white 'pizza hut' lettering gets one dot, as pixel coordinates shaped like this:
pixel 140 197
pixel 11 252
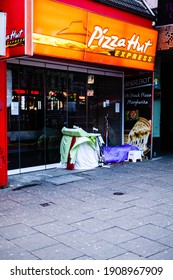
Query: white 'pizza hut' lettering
pixel 112 42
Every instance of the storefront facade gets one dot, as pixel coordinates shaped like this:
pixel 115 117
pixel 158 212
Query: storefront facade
pixel 163 79
pixel 65 71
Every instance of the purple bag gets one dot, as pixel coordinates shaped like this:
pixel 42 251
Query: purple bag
pixel 118 153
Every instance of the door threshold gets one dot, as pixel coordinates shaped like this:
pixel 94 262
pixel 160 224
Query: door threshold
pixel 31 169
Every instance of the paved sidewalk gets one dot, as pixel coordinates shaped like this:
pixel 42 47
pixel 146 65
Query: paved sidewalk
pixel 120 212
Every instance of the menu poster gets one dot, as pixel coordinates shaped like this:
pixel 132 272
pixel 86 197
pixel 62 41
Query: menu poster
pixel 138 112
pixel 15 108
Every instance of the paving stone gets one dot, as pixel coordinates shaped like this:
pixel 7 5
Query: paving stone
pixel 136 212
pixel 168 240
pixel 15 231
pixel 75 192
pixel 64 179
pixel 165 209
pixel 158 220
pixel 7 220
pixel 127 256
pixel 5 244
pixel 102 250
pixel 170 227
pixel 83 258
pixel 164 255
pixel 8 204
pixel 78 239
pixel 152 232
pixel 115 235
pixel 34 242
pixel 72 216
pixel 143 247
pixel 35 219
pixel 126 222
pixel 91 225
pixel 16 253
pixel 103 214
pixel 83 202
pixel 54 228
pixel 57 252
pixel 146 203
pixel 99 202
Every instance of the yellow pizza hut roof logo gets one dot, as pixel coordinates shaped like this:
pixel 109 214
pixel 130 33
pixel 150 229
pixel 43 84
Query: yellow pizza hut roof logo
pixel 112 42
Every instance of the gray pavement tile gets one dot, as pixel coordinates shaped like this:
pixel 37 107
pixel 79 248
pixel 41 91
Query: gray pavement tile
pixel 34 242
pixel 35 219
pixel 16 253
pixel 115 235
pixel 84 258
pixel 127 190
pixel 20 195
pixel 161 183
pixel 170 227
pixel 100 202
pixel 91 225
pixel 158 220
pixel 102 250
pixel 68 202
pixel 160 196
pixel 146 203
pixel 167 178
pixel 7 220
pixel 5 244
pixel 90 185
pixel 136 212
pixel 57 252
pixel 28 215
pixel 8 204
pixel 141 185
pixel 129 197
pixel 15 231
pixel 165 209
pixel 4 193
pixel 126 222
pixel 54 228
pixel 75 192
pixel 168 240
pixel 127 256
pixel 143 247
pixel 30 200
pixel 78 239
pixel 9 251
pixel 103 214
pixel 64 179
pixel 152 232
pixel 72 216
pixel 164 255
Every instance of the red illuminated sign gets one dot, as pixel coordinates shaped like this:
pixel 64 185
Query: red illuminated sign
pixel 87 36
pixel 19 25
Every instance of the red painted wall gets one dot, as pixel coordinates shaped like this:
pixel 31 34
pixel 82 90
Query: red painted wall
pixel 3 122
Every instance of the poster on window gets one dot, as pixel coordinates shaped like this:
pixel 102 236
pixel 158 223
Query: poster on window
pixel 138 112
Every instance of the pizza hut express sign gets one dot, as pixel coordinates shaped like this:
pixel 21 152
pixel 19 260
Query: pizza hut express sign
pixel 16 37
pixel 112 42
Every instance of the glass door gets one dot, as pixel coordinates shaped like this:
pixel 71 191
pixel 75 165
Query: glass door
pixel 105 107
pixel 56 113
